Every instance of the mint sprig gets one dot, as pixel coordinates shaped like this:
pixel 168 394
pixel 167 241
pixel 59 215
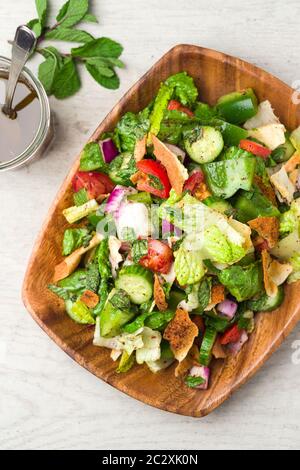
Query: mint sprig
pixel 59 71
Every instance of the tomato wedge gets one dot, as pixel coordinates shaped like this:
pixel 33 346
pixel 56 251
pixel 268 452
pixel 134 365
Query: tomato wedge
pixel 231 336
pixel 153 178
pixel 95 183
pixel 193 181
pixel 255 148
pixel 175 105
pixel 159 257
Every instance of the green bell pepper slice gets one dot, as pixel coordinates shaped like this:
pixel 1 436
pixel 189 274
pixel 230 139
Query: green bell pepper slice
pixel 226 177
pixel 238 107
pixel 250 205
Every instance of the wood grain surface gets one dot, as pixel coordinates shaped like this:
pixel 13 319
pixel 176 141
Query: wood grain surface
pixel 215 74
pixel 46 399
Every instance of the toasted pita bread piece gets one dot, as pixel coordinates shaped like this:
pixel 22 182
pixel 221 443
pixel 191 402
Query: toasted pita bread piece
pixel 192 359
pixel 218 351
pixel 292 163
pixel 181 332
pixel 279 272
pixel 159 295
pixel 267 190
pixel 293 176
pixel 267 228
pixel 217 293
pixel 89 298
pixel 70 263
pixel 217 296
pixel 270 286
pixel 140 149
pixel 177 173
pixel 202 192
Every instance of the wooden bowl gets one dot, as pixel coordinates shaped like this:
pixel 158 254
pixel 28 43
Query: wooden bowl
pixel 215 74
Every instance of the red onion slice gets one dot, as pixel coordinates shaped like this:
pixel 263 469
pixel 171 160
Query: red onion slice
pixel 109 150
pixel 227 308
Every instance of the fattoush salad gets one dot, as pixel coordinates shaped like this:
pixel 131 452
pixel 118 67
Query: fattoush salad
pixel 185 223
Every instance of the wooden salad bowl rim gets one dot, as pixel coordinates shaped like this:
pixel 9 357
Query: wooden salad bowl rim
pixel 215 74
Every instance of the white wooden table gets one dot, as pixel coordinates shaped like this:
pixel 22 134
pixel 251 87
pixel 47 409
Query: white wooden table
pixel 46 399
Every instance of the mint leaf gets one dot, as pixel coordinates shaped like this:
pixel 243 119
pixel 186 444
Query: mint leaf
pixel 120 300
pixel 101 66
pixel 35 26
pixel 72 12
pixel 90 18
pixel 49 68
pixel 67 81
pixel 62 12
pixel 67 34
pixel 41 8
pixel 139 249
pixel 111 83
pixel 102 47
pixel 59 291
pixel 193 382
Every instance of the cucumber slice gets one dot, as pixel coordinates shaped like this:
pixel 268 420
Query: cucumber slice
pixel 203 144
pixel 266 303
pixel 284 152
pixel 208 342
pixel 122 168
pixel 79 312
pixel 218 204
pixel 112 319
pixel 137 282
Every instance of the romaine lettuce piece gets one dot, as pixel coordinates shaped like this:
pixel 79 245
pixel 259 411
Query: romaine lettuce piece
pixel 126 362
pixel 206 231
pixel 219 249
pixel 151 346
pixel 128 342
pixel 290 220
pixel 183 87
pixel 75 213
pixel 189 267
pixel 295 262
pixel 160 105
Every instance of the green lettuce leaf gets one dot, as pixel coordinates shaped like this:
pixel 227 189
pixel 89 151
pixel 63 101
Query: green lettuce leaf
pixel 219 249
pixel 126 362
pixel 189 267
pixel 290 220
pixel 295 262
pixel 184 88
pixel 160 105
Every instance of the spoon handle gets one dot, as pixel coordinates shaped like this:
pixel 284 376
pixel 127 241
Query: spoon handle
pixel 22 47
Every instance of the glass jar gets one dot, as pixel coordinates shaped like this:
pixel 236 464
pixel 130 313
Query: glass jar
pixel 44 133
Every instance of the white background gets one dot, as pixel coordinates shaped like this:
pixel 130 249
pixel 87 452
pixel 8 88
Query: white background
pixel 46 399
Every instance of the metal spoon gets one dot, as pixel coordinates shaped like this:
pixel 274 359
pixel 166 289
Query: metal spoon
pixel 22 46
